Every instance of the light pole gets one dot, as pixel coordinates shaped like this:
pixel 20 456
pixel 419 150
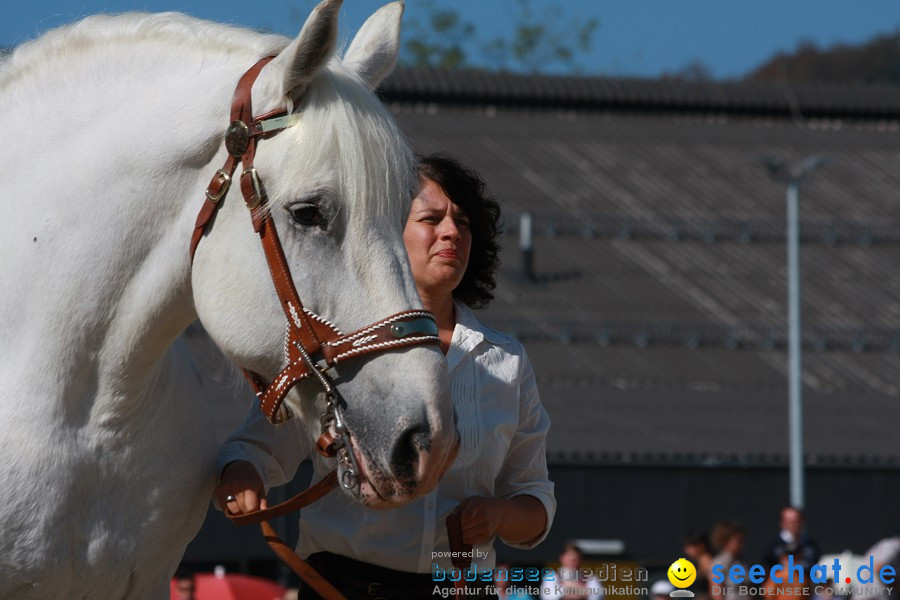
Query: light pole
pixel 793 177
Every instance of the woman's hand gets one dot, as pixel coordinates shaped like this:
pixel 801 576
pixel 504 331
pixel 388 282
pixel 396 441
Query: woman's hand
pixel 240 480
pixel 480 518
pixel 517 520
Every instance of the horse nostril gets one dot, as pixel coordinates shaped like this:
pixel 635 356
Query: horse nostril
pixel 405 453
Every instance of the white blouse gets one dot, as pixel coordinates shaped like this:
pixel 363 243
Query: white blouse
pixel 503 429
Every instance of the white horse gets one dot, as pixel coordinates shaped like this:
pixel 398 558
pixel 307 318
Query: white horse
pixel 112 129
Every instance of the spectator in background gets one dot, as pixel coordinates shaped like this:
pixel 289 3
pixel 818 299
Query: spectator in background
pixel 185 586
pixel 696 549
pixel 661 589
pixel 505 588
pixel 884 553
pixel 791 547
pixel 793 541
pixel 728 539
pixel 568 582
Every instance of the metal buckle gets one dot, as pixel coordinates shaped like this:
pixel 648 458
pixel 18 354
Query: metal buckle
pixel 371 589
pixel 226 184
pixel 257 188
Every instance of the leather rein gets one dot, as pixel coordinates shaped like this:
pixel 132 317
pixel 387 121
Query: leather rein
pixel 312 344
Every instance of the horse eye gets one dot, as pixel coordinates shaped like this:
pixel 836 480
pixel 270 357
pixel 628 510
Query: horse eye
pixel 307 214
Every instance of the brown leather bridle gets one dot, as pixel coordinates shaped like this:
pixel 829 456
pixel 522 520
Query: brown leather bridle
pixel 312 344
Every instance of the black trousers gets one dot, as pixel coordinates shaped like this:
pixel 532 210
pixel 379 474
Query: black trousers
pixel 363 581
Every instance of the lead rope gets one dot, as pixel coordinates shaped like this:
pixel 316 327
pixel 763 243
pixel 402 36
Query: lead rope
pixel 460 551
pixel 298 565
pixel 281 549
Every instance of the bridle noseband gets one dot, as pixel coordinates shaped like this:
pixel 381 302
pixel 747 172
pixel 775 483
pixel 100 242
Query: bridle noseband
pixel 312 344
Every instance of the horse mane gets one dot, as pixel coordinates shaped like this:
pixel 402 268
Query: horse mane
pixel 338 102
pixel 110 30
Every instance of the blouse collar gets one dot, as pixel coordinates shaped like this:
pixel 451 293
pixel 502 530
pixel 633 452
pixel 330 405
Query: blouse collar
pixel 467 334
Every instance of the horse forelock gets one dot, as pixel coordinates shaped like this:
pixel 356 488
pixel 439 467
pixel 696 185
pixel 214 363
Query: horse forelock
pixel 348 130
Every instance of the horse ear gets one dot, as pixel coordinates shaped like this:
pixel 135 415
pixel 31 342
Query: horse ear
pixel 309 52
pixel 373 52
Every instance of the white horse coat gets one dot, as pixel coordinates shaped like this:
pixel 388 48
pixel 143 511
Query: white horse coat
pixel 113 129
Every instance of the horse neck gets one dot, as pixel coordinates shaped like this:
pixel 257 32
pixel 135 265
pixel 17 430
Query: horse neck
pixel 112 226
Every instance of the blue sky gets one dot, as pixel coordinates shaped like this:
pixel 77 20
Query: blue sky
pixel 641 38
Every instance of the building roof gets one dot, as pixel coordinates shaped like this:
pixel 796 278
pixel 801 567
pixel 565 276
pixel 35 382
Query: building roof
pixel 484 88
pixel 656 314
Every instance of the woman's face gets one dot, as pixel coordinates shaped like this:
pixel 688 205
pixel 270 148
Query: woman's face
pixel 438 241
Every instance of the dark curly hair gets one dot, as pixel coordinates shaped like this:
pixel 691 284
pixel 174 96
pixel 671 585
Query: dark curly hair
pixel 467 190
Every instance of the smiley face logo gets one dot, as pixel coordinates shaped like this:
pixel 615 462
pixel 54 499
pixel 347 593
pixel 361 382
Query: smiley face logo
pixel 682 573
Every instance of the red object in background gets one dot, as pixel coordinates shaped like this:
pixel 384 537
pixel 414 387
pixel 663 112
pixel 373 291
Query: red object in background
pixel 232 586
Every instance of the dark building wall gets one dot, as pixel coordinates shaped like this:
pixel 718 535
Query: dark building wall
pixel 651 508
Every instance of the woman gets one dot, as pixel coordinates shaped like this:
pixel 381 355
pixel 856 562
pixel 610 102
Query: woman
pixel 728 538
pixel 696 549
pixel 498 482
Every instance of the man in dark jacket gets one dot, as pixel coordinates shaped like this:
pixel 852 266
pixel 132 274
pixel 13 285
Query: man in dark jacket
pixel 794 541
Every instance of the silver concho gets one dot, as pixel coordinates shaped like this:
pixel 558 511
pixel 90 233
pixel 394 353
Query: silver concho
pixel 423 326
pixel 237 138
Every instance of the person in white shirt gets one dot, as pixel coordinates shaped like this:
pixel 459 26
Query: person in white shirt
pixel 885 553
pixel 498 481
pixel 569 581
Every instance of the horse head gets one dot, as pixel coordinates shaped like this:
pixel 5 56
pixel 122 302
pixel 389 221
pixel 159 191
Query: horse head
pixel 338 183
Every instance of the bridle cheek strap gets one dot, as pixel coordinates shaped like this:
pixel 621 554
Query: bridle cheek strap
pixel 218 187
